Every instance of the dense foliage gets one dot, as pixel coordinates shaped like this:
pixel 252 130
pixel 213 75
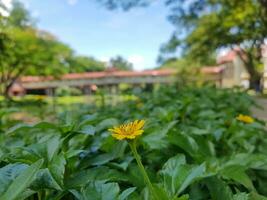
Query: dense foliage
pixel 120 63
pixel 26 50
pixel 210 25
pixel 204 27
pixel 193 147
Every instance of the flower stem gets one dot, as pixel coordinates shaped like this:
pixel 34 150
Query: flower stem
pixel 141 168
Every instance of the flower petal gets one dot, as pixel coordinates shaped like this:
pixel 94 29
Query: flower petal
pixel 140 124
pixel 118 136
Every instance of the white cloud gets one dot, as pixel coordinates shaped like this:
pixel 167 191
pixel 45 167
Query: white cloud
pixel 72 2
pixel 104 59
pixel 138 62
pixel 3 12
pixel 8 5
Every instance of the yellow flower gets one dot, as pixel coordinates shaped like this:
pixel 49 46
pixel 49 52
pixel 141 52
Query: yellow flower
pixel 245 118
pixel 128 131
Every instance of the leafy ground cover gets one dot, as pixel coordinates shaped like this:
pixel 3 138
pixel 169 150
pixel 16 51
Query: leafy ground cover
pixel 193 147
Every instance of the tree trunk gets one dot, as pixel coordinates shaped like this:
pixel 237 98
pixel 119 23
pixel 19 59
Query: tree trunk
pixel 255 77
pixel 6 91
pixel 255 82
pixel 7 86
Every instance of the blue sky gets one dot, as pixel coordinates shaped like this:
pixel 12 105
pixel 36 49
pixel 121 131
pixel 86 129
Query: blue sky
pixel 91 29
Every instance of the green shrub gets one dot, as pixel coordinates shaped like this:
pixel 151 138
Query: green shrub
pixel 193 147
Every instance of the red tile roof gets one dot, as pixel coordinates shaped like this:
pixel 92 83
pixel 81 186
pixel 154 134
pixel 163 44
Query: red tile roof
pixel 88 75
pixel 230 56
pixel 95 75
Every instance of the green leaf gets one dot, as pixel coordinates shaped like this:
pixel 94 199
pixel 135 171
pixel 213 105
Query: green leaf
pixel 126 193
pixel 238 174
pixel 45 180
pixel 76 194
pixel 57 168
pixel 101 191
pixel 110 191
pixel 133 174
pixel 24 195
pixel 22 181
pixel 87 129
pixel 194 174
pixel 116 152
pixel 52 147
pixel 160 193
pixel 174 172
pixel 177 175
pixel 8 173
pixel 157 139
pixel 71 153
pixel 81 178
pixel 185 142
pixel 18 127
pixel 254 161
pixel 218 189
pixel 124 164
pixel 241 196
pixel 183 197
pixel 256 196
pixel 107 123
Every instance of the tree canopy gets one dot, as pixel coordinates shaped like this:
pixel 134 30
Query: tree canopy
pixel 207 26
pixel 120 63
pixel 211 25
pixel 26 50
pixel 85 64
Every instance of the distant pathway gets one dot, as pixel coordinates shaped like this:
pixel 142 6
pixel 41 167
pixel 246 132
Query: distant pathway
pixel 260 113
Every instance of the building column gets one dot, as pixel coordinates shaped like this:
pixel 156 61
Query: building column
pixel 49 91
pixel 264 60
pixel 87 90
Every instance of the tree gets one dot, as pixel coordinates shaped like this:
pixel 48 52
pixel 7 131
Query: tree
pixel 211 25
pixel 124 4
pixel 85 64
pixel 120 63
pixel 206 26
pixel 25 50
pixel 19 17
